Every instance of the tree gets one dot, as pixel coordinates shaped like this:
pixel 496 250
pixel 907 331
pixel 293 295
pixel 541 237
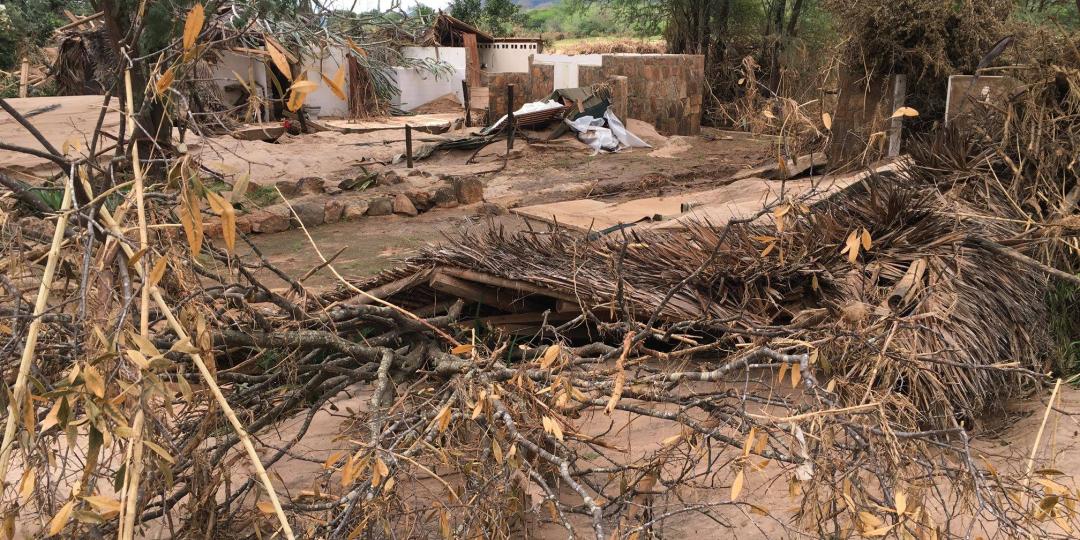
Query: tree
pixel 496 16
pixel 467 10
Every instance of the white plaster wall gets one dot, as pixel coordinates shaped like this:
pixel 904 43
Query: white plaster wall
pixel 566 66
pixel 417 87
pixel 232 65
pixel 330 104
pixel 506 57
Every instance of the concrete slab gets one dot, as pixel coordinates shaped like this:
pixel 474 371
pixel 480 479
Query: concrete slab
pixel 65 119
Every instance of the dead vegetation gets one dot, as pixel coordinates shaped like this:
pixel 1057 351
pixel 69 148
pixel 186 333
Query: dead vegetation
pixel 840 352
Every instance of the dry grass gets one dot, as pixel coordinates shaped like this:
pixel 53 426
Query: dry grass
pixel 609 45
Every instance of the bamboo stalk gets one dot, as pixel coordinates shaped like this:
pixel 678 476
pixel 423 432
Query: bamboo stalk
pixel 211 384
pixel 140 202
pixel 130 493
pixel 19 393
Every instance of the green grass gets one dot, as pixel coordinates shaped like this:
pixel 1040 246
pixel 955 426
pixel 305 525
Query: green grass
pixel 1064 304
pixel 262 196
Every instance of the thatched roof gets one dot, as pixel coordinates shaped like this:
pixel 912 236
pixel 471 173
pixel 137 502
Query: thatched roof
pixel 920 312
pixel 447 31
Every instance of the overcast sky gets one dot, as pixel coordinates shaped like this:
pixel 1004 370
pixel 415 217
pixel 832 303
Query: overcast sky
pixel 364 5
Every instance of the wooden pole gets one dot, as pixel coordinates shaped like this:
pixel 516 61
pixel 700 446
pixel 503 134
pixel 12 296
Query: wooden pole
pixel 408 146
pixel 510 118
pixel 24 77
pixel 465 101
pixel 896 124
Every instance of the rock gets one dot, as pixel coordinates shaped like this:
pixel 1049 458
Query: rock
pixel 390 178
pixel 469 190
pixel 269 220
pixel 444 198
pixel 243 224
pixel 312 212
pixel 354 211
pixel 287 188
pixel 418 172
pixel 333 209
pixel 383 206
pixel 491 209
pixel 402 205
pixel 420 199
pixel 310 185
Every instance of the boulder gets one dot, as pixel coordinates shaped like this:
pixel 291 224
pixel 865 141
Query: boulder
pixel 403 206
pixel 383 206
pixel 287 188
pixel 275 219
pixel 311 212
pixel 444 197
pixel 469 190
pixel 310 185
pixel 390 178
pixel 354 210
pixel 420 199
pixel 333 209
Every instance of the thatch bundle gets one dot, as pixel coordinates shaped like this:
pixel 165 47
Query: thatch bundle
pixel 917 318
pixel 85 63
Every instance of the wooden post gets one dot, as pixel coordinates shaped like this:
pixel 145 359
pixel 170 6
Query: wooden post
pixel 510 118
pixel 465 101
pixel 896 124
pixel 408 146
pixel 24 78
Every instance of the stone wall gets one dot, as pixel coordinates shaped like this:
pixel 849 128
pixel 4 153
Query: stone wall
pixel 665 90
pixel 534 85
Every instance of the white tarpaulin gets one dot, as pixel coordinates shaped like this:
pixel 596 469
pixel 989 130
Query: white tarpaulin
pixel 612 138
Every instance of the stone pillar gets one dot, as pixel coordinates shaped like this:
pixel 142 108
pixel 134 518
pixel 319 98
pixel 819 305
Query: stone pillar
pixel 620 96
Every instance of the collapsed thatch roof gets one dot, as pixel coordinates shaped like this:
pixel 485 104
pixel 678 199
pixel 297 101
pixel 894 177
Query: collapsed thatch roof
pixel 447 31
pixel 922 312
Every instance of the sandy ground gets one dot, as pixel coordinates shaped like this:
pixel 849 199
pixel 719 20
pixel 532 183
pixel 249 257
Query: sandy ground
pixel 536 173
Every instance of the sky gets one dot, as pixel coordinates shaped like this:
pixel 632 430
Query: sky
pixel 365 5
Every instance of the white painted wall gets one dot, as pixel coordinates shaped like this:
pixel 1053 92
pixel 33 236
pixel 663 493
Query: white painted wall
pixel 566 66
pixel 330 104
pixel 232 65
pixel 506 57
pixel 417 87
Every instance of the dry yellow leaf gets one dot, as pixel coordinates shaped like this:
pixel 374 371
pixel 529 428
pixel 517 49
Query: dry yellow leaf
pixel 56 524
pixel 191 219
pixel 277 56
pixel 904 111
pixel 462 349
pixel 826 120
pixel 164 82
pixel 158 271
pixel 443 418
pixel 496 451
pixel 337 84
pixel 93 381
pixel 901 502
pixel 225 210
pixel 193 25
pixel 298 93
pixel 26 484
pixel 737 485
pixel 796 376
pixel 550 355
pixel 265 507
pixel 106 506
